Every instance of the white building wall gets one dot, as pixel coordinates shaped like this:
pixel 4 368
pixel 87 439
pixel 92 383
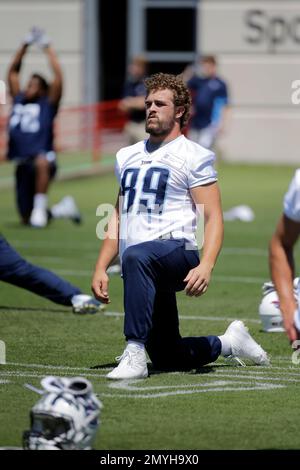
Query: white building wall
pixel 257 44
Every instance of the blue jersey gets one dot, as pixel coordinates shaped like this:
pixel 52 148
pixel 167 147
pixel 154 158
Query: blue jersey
pixel 31 127
pixel 209 97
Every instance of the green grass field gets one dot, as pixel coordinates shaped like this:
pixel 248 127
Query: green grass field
pixel 220 407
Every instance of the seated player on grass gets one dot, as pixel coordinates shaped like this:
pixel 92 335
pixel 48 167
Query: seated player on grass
pixel 17 271
pixel 31 135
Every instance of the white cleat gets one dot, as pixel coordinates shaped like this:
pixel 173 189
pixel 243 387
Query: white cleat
pixel 86 304
pixel 244 346
pixel 67 209
pixel 38 218
pixel 132 365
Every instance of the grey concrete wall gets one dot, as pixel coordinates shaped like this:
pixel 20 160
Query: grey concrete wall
pixel 258 47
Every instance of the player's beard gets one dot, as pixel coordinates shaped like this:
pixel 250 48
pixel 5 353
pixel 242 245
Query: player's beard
pixel 160 128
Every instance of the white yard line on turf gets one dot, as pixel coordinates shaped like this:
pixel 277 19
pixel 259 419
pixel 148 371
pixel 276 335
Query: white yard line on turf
pixel 242 373
pixel 254 376
pixel 52 244
pixel 18 373
pixel 48 366
pixel 46 259
pixel 62 260
pixel 259 386
pixel 192 317
pixel 216 386
pixel 229 370
pixel 232 380
pixel 131 385
pixel 226 250
pixel 240 279
pixel 218 278
pixel 181 317
pixel 285 358
pixel 271 369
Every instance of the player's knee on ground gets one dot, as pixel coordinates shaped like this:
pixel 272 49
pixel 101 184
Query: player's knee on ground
pixel 164 361
pixel 183 354
pixel 166 356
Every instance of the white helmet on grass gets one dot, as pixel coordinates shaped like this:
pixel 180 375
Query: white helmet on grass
pixel 269 309
pixel 65 418
pixel 270 313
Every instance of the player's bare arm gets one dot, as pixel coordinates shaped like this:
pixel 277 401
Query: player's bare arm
pixel 282 269
pixel 108 252
pixel 13 77
pixel 198 278
pixel 56 86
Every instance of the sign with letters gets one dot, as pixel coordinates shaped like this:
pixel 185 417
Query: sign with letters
pixel 254 26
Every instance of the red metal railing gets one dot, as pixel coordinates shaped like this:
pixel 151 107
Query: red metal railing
pixel 80 128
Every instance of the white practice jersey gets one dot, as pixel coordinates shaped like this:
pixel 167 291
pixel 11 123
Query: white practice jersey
pixel 156 201
pixel 291 202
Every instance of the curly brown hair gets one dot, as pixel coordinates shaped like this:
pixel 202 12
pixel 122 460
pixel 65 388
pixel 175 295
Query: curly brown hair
pixel 182 97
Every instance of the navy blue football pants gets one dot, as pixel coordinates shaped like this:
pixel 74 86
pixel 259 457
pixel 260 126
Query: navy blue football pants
pixel 152 273
pixel 17 271
pixel 25 185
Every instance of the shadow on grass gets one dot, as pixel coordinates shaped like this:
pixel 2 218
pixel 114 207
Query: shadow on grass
pixel 211 368
pixel 16 225
pixel 153 371
pixel 103 366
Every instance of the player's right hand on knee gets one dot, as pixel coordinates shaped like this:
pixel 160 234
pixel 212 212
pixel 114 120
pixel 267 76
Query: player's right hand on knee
pixel 100 286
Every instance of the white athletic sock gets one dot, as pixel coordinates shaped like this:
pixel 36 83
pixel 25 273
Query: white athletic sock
pixel 40 201
pixel 137 344
pixel 226 345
